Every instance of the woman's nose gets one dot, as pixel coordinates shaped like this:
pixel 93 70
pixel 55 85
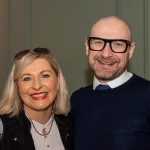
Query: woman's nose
pixel 37 84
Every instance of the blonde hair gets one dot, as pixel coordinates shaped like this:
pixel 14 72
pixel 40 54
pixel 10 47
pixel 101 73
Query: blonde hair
pixel 11 102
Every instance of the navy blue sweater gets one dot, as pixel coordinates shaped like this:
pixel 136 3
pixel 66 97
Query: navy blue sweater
pixel 116 119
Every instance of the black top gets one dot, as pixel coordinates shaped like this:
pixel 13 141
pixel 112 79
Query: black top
pixel 16 133
pixel 115 119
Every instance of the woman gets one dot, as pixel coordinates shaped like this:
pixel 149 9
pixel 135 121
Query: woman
pixel 34 105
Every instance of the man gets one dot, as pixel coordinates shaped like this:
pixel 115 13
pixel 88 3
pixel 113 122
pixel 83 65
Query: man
pixel 116 117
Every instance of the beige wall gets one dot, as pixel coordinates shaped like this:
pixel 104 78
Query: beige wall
pixel 62 26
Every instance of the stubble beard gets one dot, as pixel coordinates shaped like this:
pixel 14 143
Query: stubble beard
pixel 106 75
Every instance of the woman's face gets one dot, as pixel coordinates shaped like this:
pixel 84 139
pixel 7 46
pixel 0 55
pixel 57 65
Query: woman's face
pixel 38 85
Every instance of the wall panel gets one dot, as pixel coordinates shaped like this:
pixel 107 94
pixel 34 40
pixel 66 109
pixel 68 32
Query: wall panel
pixel 3 42
pixel 62 26
pixel 146 39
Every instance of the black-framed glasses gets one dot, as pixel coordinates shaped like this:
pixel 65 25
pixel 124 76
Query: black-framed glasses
pixel 116 45
pixel 39 50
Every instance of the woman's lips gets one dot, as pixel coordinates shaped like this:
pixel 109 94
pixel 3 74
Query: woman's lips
pixel 39 96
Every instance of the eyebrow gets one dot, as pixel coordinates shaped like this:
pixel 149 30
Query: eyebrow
pixel 28 74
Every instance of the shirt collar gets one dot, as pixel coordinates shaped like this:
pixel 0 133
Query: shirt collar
pixel 116 82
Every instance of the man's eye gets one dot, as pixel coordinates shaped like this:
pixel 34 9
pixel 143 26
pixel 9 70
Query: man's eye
pixel 119 44
pixel 98 42
pixel 45 75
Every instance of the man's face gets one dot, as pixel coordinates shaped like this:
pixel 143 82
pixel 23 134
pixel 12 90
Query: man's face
pixel 106 64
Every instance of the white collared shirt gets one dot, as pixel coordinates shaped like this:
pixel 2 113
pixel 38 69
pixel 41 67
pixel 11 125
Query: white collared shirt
pixel 51 142
pixel 116 82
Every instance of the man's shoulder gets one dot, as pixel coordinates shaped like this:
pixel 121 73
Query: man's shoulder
pixel 83 89
pixel 140 80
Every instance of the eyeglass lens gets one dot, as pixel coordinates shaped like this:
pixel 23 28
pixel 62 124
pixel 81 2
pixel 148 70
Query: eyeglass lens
pixel 98 44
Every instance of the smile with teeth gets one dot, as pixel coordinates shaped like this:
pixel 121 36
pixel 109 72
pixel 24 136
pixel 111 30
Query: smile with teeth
pixel 105 63
pixel 39 95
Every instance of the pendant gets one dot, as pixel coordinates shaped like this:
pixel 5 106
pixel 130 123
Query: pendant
pixel 44 132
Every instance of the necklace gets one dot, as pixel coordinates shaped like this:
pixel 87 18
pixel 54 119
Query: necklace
pixel 44 133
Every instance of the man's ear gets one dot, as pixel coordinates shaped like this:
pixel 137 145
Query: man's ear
pixel 86 47
pixel 131 51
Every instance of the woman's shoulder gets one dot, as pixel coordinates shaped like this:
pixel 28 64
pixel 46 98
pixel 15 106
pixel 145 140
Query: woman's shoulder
pixel 1 128
pixel 7 119
pixel 4 121
pixel 65 127
pixel 63 120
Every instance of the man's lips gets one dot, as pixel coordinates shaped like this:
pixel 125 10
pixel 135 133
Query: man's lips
pixel 107 63
pixel 39 96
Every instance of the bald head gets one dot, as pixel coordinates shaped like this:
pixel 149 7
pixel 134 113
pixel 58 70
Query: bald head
pixel 111 27
pixel 109 48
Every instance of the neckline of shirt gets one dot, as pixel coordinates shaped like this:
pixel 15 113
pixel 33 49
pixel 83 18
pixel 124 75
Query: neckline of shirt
pixel 124 77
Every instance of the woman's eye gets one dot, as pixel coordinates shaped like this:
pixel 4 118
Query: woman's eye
pixel 26 79
pixel 45 75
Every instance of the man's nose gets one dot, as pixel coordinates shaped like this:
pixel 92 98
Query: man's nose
pixel 107 52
